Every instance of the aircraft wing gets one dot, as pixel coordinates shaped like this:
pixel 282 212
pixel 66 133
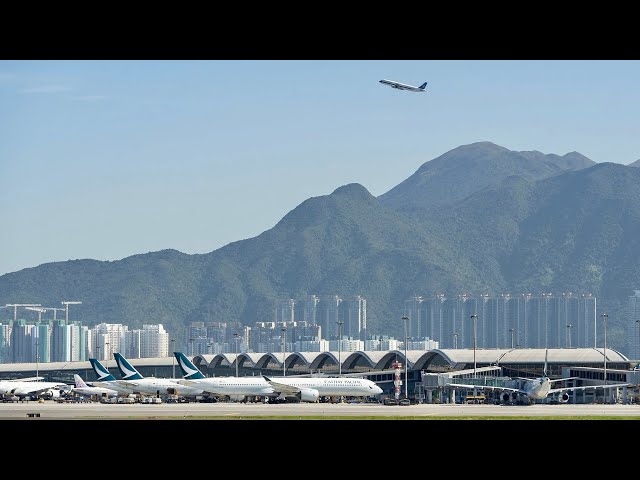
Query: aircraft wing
pixel 588 387
pixel 282 387
pixel 26 379
pixel 562 379
pixel 190 383
pixel 127 383
pixel 39 388
pixel 485 387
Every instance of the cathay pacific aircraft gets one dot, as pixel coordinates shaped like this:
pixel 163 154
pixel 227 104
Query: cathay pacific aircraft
pixel 107 380
pixel 305 389
pixel 132 379
pixel 404 86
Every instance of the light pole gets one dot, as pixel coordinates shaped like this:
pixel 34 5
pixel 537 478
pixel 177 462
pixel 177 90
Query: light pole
pixel 237 337
pixel 455 340
pixel 511 330
pixel 37 357
pixel 638 323
pixel 106 352
pixel 340 323
pixel 173 357
pixel 284 350
pixel 406 340
pixel 604 326
pixel 474 317
pixel 569 334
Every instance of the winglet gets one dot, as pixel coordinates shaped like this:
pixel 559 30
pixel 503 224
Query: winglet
pixel 266 378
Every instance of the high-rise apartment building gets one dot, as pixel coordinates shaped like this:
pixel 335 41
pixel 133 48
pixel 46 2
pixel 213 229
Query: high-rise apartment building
pixel 632 321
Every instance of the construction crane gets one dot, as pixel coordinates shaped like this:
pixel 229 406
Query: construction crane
pixel 16 305
pixel 45 309
pixel 39 310
pixel 66 304
pixel 55 311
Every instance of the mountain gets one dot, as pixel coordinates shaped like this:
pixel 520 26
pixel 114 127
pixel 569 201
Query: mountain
pixel 635 164
pixel 470 168
pixel 515 221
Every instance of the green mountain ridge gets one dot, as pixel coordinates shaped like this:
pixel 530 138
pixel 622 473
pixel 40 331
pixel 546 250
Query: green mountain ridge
pixel 521 221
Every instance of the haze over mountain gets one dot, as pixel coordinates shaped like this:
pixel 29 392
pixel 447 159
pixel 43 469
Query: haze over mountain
pixel 470 168
pixel 478 219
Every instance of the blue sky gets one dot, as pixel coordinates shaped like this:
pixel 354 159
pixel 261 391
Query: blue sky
pixel 107 159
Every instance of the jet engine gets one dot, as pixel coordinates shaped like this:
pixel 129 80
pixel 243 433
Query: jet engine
pixel 50 394
pixel 505 397
pixel 308 395
pixel 563 397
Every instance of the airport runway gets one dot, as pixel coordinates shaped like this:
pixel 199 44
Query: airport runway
pixel 228 411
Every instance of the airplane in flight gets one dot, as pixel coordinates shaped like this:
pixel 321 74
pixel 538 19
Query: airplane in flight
pixel 30 389
pixel 305 389
pixel 539 388
pixel 85 390
pixel 404 86
pixel 132 379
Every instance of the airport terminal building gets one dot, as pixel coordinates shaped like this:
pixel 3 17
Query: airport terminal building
pixel 428 372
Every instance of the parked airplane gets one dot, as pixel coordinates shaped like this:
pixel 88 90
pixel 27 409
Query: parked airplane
pixel 32 389
pixel 404 86
pixel 306 389
pixel 537 388
pixel 132 379
pixel 107 380
pixel 85 390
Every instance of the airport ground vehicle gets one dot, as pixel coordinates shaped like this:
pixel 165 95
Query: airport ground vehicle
pixel 393 401
pixel 151 400
pixel 476 399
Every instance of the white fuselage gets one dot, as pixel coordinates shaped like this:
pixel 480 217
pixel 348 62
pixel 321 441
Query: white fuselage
pixel 258 386
pixel 161 386
pixel 95 391
pixel 401 86
pixel 22 388
pixel 538 388
pixel 114 385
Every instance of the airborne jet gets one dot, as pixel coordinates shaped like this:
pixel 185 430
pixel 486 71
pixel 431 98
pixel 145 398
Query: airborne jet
pixel 404 86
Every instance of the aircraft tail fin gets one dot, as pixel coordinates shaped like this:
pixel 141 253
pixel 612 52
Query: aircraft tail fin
pixel 79 381
pixel 127 370
pixel 101 371
pixel 423 86
pixel 189 370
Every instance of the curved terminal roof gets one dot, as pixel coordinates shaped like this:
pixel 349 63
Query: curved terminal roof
pixel 447 359
pixel 530 355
